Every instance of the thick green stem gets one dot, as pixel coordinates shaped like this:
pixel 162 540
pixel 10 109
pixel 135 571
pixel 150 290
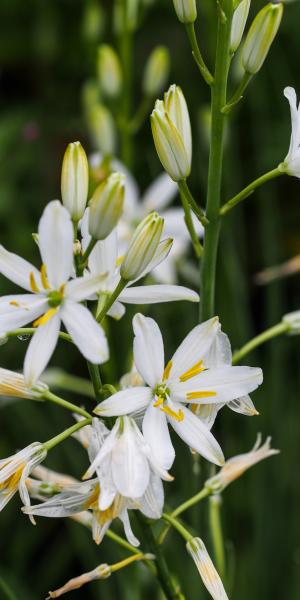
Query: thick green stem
pixel 65 404
pixel 216 533
pixel 219 87
pixel 65 434
pixel 250 189
pixel 207 76
pixel 189 198
pixel 263 337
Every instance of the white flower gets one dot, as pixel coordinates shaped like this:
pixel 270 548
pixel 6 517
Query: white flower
pixel 14 385
pixel 291 164
pixel 14 471
pixel 236 466
pixel 52 298
pixel 206 568
pixel 187 379
pixel 105 258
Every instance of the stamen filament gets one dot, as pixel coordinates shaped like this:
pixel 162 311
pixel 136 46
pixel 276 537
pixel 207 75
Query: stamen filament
pixel 44 279
pixel 46 317
pixel 197 368
pixel 200 394
pixel 33 283
pixel 167 370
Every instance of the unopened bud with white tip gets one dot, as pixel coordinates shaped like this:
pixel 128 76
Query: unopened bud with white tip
pixel 75 180
pixel 109 71
pixel 186 10
pixel 239 20
pixel 260 37
pixel 106 205
pixel 156 71
pixel 142 248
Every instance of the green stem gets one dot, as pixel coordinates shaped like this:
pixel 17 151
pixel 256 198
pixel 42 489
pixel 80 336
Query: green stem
pixel 219 87
pixel 250 189
pixel 216 533
pixel 126 46
pixel 263 337
pixel 96 380
pixel 190 226
pixel 187 536
pixel 190 28
pixel 183 507
pixel 186 193
pixel 65 404
pixel 31 331
pixel 65 434
pixel 86 254
pixel 111 299
pixel 238 95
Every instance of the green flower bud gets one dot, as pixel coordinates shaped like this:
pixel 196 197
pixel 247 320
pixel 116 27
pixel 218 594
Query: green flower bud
pixel 156 71
pixel 186 10
pixel 106 205
pixel 239 20
pixel 102 128
pixel 109 71
pixel 143 246
pixel 260 37
pixel 75 180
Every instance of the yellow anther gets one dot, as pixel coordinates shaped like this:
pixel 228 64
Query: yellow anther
pixel 200 394
pixel 158 402
pixel 178 416
pixel 44 279
pixel 197 368
pixel 92 501
pixel 33 283
pixel 119 260
pixel 12 482
pixel 167 370
pixel 62 289
pixel 14 303
pixel 46 317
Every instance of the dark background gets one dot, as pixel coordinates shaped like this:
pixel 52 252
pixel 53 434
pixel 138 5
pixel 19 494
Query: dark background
pixel 47 53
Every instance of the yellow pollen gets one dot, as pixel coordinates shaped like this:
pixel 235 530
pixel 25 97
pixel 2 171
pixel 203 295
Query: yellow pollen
pixel 92 501
pixel 14 303
pixel 172 413
pixel 46 317
pixel 12 482
pixel 200 394
pixel 167 370
pixel 33 283
pixel 62 289
pixel 197 368
pixel 158 402
pixel 44 279
pixel 119 260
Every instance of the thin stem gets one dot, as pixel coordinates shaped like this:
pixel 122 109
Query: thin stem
pixel 190 226
pixel 187 536
pixel 65 434
pixel 24 331
pixel 86 254
pixel 183 507
pixel 96 380
pixel 65 404
pixel 207 76
pixel 216 533
pixel 219 88
pixel 238 94
pixel 250 189
pixel 111 299
pixel 263 337
pixel 127 561
pixel 186 192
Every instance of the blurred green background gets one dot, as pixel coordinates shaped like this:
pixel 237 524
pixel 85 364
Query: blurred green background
pixel 47 53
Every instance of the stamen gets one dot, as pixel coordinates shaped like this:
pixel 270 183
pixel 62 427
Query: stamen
pixel 33 283
pixel 158 402
pixel 62 289
pixel 172 413
pixel 119 260
pixel 92 501
pixel 167 370
pixel 44 279
pixel 46 317
pixel 14 303
pixel 200 394
pixel 197 368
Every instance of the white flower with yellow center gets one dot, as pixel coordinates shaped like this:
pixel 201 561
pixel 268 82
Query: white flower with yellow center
pixel 54 296
pixel 186 380
pixel 291 164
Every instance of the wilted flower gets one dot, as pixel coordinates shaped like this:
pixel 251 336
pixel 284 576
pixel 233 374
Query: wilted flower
pixel 75 180
pixel 13 384
pixel 206 568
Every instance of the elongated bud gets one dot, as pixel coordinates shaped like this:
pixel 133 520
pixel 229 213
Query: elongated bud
pixel 211 579
pixel 292 320
pixel 106 206
pixel 109 71
pixel 75 180
pixel 186 10
pixel 102 129
pixel 156 71
pixel 171 129
pixel 239 20
pixel 143 246
pixel 260 37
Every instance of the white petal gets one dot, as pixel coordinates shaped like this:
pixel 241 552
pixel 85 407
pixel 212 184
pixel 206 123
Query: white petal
pixel 85 332
pixel 290 94
pixel 29 307
pixel 63 504
pixel 153 294
pixel 103 258
pixel 243 406
pixel 194 347
pixel 160 193
pixel 17 269
pixel 40 349
pixel 148 349
pixel 161 254
pixel 56 243
pixel 220 351
pixel 205 566
pixel 127 528
pixel 156 434
pixel 117 311
pixel 125 402
pixel 207 413
pixel 83 288
pixel 175 226
pixel 130 468
pixel 152 502
pixel 196 435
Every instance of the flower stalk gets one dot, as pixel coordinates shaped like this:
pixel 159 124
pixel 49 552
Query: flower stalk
pixel 247 191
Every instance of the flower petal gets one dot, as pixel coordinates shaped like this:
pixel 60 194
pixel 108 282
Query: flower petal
pixel 40 349
pixel 152 502
pixel 219 353
pixel 156 434
pixel 125 402
pixel 17 269
pixel 290 94
pixel 243 406
pixel 56 243
pixel 104 256
pixel 117 311
pixel 86 333
pixel 83 288
pixel 19 309
pixel 160 193
pixel 196 435
pixel 148 349
pixel 153 294
pixel 161 253
pixel 130 467
pixel 194 347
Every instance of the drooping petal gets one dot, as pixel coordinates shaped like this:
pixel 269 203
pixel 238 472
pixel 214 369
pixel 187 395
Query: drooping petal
pixel 130 467
pixel 125 402
pixel 159 194
pixel 156 434
pixel 153 294
pixel 56 243
pixel 83 288
pixel 40 349
pixel 63 504
pixel 20 309
pixel 206 568
pixel 152 502
pixel 243 406
pixel 17 269
pixel 194 347
pixel 86 333
pixel 148 349
pixel 124 517
pixel 290 94
pixel 196 435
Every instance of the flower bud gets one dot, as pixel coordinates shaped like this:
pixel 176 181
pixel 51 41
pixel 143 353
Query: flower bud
pixel 292 320
pixel 156 71
pixel 239 19
pixel 172 135
pixel 106 205
pixel 260 37
pixel 143 246
pixel 75 180
pixel 186 10
pixel 109 71
pixel 102 129
pixel 211 579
